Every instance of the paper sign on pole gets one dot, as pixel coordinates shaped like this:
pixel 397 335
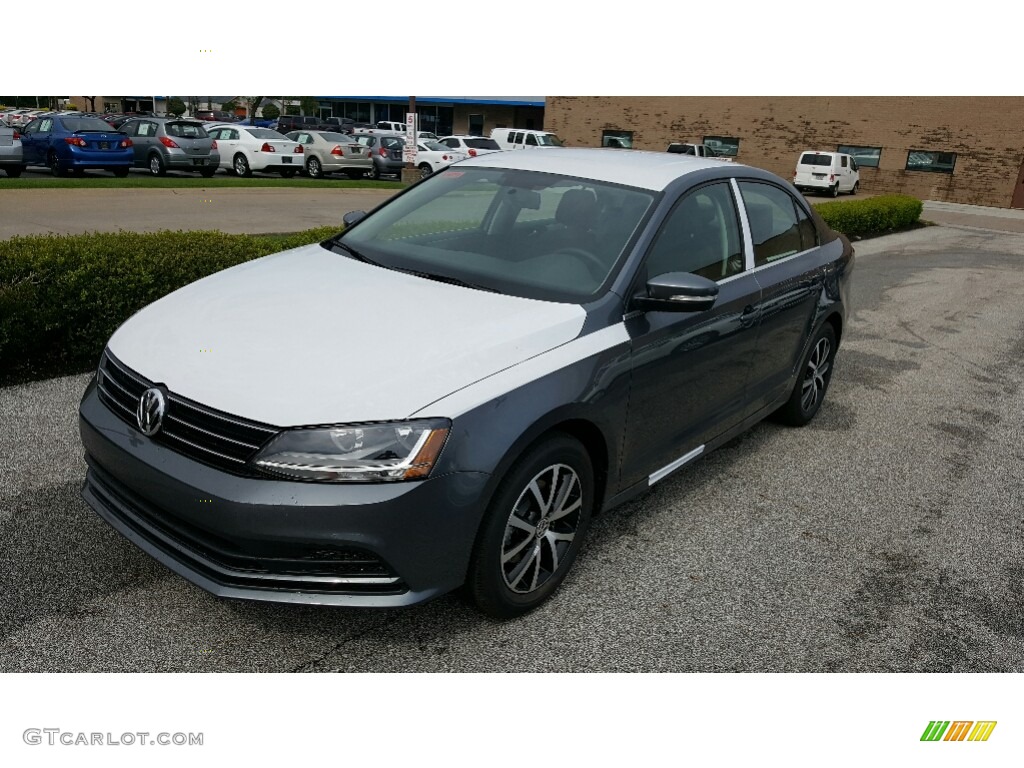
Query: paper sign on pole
pixel 409 151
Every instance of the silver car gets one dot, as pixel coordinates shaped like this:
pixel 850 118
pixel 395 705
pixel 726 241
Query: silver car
pixel 170 143
pixel 330 152
pixel 11 159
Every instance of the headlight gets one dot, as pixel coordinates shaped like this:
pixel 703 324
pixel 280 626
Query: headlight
pixel 357 453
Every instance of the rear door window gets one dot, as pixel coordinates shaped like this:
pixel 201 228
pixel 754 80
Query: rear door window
pixel 774 228
pixel 812 158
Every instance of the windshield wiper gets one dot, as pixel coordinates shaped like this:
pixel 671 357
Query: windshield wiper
pixel 450 280
pixel 355 254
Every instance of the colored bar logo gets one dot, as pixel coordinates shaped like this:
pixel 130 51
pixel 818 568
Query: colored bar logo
pixel 958 730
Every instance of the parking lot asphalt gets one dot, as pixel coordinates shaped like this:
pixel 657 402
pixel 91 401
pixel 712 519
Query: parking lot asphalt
pixel 888 535
pixel 234 210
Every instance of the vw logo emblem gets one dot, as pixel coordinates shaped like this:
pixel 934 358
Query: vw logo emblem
pixel 150 414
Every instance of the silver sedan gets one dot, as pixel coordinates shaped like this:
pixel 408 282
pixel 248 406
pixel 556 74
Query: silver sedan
pixel 329 152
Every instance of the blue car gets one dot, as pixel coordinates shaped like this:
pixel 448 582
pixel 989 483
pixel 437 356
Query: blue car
pixel 73 143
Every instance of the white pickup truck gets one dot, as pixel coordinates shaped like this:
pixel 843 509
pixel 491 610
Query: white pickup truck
pixel 700 150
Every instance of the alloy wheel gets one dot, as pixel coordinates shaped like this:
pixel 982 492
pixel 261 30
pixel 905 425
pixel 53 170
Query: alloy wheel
pixel 813 388
pixel 540 529
pixel 313 168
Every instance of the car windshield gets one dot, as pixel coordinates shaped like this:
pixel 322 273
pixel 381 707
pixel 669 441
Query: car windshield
pixel 548 140
pixel 523 233
pixel 74 124
pixel 814 159
pixel 434 146
pixel 482 144
pixel 186 130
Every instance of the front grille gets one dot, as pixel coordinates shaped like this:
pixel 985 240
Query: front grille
pixel 203 434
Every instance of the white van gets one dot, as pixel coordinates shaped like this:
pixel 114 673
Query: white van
pixel 522 138
pixel 828 172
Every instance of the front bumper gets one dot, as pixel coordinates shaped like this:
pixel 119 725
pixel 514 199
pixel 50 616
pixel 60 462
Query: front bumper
pixel 373 545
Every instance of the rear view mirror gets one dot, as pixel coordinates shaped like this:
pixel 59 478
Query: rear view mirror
pixel 524 198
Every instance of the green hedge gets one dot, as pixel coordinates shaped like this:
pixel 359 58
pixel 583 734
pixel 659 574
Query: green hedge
pixel 61 297
pixel 872 216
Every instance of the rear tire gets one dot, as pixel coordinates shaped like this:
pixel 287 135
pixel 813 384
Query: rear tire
pixel 355 175
pixel 207 173
pixel 14 171
pixel 812 381
pixel 533 528
pixel 313 168
pixel 54 164
pixel 156 165
pixel 375 173
pixel 289 173
pixel 834 190
pixel 425 170
pixel 241 165
pixel 856 186
pixel 120 172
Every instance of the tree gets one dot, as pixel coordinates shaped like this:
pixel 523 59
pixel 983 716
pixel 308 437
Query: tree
pixel 251 104
pixel 175 106
pixel 308 105
pixel 229 106
pixel 270 112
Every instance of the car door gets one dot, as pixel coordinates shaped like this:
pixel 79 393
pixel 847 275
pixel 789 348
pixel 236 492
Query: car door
pixel 131 129
pixel 30 142
pixel 845 174
pixel 790 276
pixel 690 369
pixel 228 142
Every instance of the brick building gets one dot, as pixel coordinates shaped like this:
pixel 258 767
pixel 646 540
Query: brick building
pixel 955 149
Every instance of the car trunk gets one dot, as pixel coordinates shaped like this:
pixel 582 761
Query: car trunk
pixel 814 167
pixel 101 140
pixel 191 146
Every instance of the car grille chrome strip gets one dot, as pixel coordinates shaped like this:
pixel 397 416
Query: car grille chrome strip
pixel 194 430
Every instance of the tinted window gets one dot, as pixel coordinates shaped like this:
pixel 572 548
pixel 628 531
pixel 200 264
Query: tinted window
pixel 810 158
pixel 727 146
pixel 808 232
pixel 937 162
pixel 186 130
pixel 85 124
pixel 482 144
pixel 701 235
pixel 842 159
pixel 329 136
pixel 773 224
pixel 265 133
pixel 531 140
pixel 869 157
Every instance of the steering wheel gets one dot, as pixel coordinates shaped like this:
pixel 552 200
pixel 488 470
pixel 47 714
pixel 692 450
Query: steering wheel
pixel 597 267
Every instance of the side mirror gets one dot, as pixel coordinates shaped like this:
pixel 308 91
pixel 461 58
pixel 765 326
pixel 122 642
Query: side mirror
pixel 678 292
pixel 352 217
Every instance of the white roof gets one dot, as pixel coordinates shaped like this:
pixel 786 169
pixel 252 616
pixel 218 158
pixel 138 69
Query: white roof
pixel 647 170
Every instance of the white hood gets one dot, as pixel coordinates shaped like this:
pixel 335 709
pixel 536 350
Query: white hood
pixel 309 337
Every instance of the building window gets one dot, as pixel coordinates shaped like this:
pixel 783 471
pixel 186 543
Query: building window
pixel 727 146
pixel 476 125
pixel 866 157
pixel 936 162
pixel 617 139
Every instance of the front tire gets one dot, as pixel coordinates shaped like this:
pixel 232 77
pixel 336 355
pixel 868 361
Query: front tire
pixel 14 171
pixel 533 528
pixel 812 382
